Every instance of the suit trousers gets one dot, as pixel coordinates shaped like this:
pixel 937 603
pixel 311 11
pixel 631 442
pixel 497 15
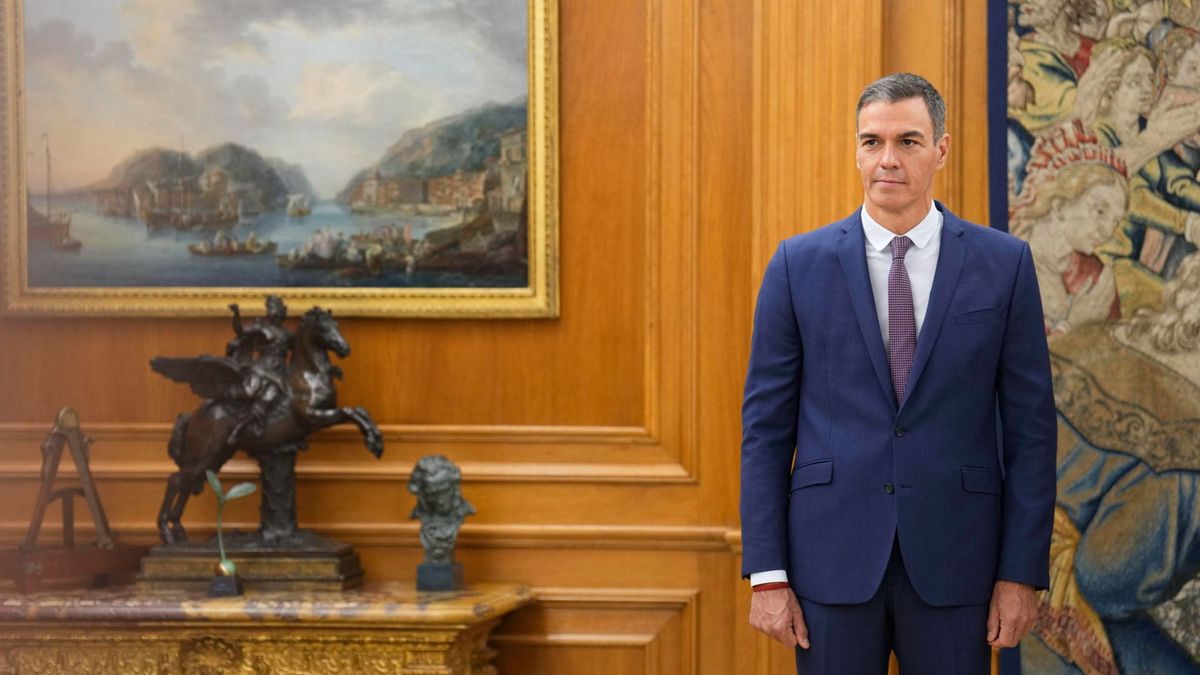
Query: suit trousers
pixel 928 640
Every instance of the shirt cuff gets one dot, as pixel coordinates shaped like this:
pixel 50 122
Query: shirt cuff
pixel 767 577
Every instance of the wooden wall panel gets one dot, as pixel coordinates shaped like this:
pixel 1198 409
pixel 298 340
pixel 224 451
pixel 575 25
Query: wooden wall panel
pixel 600 448
pixel 584 631
pixel 946 41
pixel 813 60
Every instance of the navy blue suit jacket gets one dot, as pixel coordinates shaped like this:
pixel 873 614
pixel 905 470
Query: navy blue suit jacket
pixel 963 469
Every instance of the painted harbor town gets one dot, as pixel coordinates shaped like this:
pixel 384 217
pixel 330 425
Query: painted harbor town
pixel 276 144
pixel 446 206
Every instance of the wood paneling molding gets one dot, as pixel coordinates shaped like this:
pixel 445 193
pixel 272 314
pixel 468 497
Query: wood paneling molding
pixel 671 202
pixel 632 454
pixel 952 73
pixel 472 535
pixel 945 41
pixel 509 454
pixel 613 618
pixel 811 61
pixel 399 433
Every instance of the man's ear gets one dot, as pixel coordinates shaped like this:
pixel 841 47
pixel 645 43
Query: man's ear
pixel 943 149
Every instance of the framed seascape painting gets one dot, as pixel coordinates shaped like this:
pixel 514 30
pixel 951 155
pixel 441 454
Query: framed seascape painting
pixel 377 157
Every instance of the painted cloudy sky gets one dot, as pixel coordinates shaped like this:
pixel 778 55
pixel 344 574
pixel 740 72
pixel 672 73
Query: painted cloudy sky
pixel 327 84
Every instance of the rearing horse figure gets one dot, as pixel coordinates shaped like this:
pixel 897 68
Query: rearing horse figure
pixel 207 437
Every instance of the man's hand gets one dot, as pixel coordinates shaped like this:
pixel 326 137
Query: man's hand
pixel 777 613
pixel 1012 613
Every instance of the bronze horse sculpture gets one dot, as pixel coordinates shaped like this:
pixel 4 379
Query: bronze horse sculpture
pixel 266 414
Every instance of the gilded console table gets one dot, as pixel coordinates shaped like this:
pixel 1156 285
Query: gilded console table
pixel 388 628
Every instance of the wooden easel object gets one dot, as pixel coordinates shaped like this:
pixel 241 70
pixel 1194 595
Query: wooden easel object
pixel 66 431
pixel 30 565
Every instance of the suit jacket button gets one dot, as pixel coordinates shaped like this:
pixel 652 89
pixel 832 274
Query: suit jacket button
pixel 887 487
pixel 900 431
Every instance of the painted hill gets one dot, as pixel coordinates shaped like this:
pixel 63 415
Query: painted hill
pixel 268 180
pixel 144 165
pixel 463 141
pixel 247 167
pixel 293 177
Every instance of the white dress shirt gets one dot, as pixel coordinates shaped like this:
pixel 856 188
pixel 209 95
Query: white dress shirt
pixel 920 262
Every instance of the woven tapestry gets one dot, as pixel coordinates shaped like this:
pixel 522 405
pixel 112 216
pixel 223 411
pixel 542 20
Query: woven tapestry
pixel 1096 163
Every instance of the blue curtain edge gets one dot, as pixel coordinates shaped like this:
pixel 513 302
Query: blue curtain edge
pixel 997 108
pixel 997 105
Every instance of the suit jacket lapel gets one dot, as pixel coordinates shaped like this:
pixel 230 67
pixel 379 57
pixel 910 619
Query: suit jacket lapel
pixel 853 257
pixel 945 278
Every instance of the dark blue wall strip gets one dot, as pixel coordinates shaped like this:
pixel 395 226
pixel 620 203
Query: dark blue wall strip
pixel 997 84
pixel 997 56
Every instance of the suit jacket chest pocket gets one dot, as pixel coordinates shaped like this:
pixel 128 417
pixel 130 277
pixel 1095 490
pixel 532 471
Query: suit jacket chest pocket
pixel 979 316
pixel 975 338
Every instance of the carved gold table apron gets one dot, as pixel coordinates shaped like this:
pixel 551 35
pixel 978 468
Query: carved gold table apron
pixel 388 628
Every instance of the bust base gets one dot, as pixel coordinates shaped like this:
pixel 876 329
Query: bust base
pixel 439 577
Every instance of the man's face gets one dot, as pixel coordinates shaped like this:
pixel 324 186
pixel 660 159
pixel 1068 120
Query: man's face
pixel 898 156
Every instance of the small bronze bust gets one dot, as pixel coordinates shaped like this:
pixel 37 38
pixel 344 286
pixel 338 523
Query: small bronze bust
pixel 436 482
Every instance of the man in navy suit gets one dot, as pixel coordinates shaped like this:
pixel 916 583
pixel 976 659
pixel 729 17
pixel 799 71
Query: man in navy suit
pixel 898 452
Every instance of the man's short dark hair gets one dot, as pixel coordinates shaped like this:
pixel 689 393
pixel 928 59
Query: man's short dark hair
pixel 901 86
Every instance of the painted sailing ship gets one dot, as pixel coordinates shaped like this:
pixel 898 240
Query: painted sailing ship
pixel 172 202
pixel 55 226
pixel 298 206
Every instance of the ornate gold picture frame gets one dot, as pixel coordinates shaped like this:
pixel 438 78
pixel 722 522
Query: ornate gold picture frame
pixel 162 161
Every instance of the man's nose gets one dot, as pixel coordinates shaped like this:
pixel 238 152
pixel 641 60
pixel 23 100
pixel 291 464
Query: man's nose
pixel 889 159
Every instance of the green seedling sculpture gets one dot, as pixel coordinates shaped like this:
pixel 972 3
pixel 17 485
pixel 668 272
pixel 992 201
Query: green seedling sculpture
pixel 226 581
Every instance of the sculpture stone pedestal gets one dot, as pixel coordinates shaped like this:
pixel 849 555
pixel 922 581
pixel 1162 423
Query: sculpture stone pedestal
pixel 308 562
pixel 387 628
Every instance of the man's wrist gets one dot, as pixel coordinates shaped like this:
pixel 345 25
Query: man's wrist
pixel 768 576
pixel 771 586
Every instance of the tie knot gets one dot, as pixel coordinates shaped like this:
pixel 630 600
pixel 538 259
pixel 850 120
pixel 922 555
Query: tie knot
pixel 900 246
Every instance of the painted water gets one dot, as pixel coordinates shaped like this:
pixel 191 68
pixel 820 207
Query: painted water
pixel 121 252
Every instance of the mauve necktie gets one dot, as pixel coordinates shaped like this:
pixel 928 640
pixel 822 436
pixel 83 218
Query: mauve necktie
pixel 902 321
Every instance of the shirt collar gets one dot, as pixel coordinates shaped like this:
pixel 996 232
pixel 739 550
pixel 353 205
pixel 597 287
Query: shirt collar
pixel 880 237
